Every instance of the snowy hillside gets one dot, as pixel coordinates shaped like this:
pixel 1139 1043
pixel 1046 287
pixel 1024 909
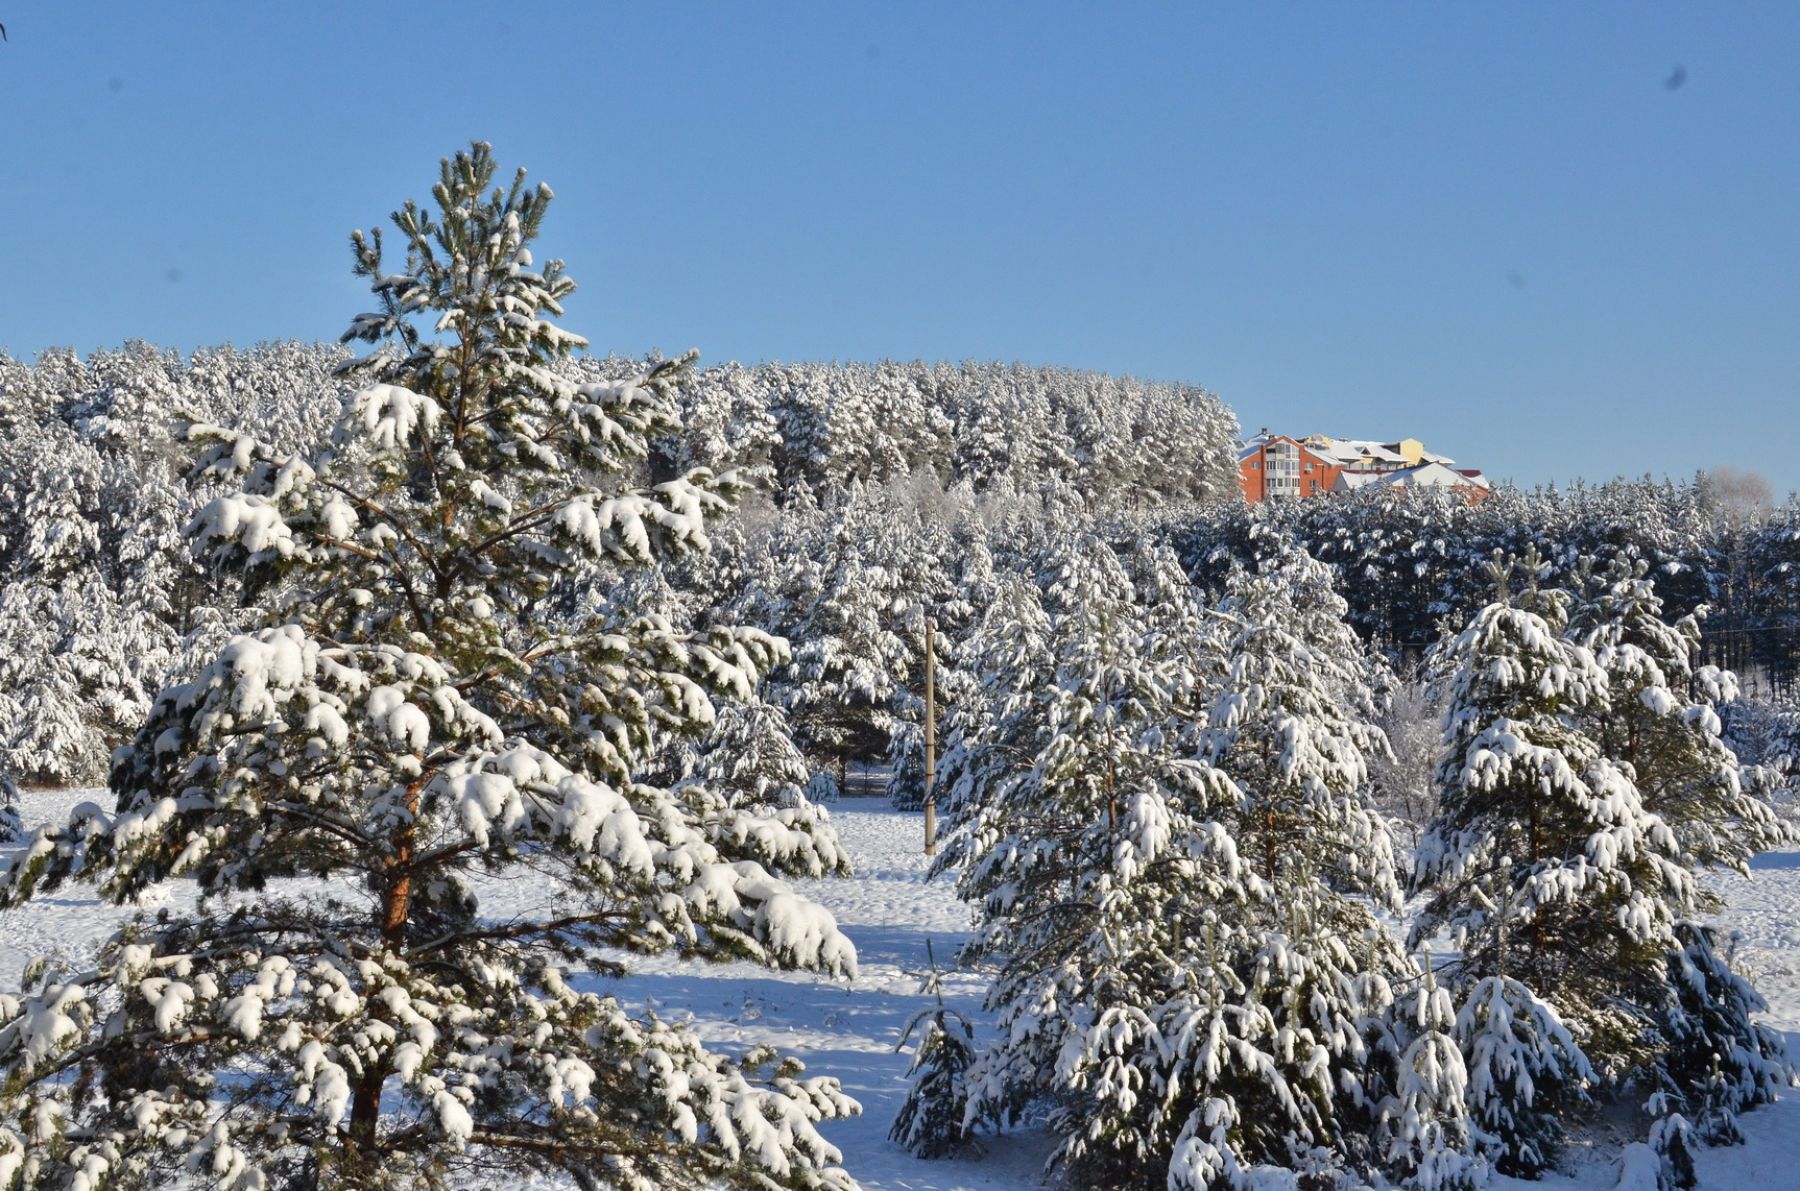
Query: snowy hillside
pixel 849 1028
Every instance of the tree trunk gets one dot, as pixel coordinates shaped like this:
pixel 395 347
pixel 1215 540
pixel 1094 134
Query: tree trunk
pixel 396 901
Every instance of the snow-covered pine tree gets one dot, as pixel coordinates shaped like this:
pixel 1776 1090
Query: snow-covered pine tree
pixel 1293 722
pixel 418 709
pixel 1719 1061
pixel 12 825
pixel 1425 1133
pixel 750 756
pixel 55 674
pixel 1303 956
pixel 1765 732
pixel 988 734
pixel 1714 1059
pixel 1073 819
pixel 848 669
pixel 905 762
pixel 1543 861
pixel 1524 1072
pixel 1661 718
pixel 934 1120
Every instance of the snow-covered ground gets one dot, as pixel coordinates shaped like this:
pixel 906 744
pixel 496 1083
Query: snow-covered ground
pixel 849 1028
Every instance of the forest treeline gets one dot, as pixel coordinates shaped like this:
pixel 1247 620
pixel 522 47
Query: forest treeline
pixel 100 599
pixel 883 485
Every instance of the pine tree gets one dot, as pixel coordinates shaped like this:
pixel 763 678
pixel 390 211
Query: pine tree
pixel 1071 808
pixel 1173 1008
pixel 848 670
pixel 1303 962
pixel 1426 1135
pixel 1714 1060
pixel 425 701
pixel 934 1120
pixel 1543 859
pixel 750 757
pixel 1719 1061
pixel 1661 719
pixel 1673 1144
pixel 1525 1070
pixel 1556 881
pixel 989 733
pixel 1403 782
pixel 12 826
pixel 905 763
pixel 1293 723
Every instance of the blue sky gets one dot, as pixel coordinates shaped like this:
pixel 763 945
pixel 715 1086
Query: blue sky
pixel 1498 228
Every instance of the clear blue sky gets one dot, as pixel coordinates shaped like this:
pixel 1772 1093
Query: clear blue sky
pixel 1500 228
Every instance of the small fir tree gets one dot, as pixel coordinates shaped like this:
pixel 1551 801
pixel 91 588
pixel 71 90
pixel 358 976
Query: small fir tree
pixel 1426 1134
pixel 934 1120
pixel 1525 1071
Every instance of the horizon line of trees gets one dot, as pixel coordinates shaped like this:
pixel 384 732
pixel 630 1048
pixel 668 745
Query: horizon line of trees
pixel 98 600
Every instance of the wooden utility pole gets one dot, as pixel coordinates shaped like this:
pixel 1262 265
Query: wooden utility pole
pixel 930 742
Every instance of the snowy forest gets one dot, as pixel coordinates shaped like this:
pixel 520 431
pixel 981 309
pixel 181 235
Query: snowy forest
pixel 1361 841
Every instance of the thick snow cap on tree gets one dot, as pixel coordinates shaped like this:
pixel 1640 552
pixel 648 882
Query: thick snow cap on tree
pixel 429 698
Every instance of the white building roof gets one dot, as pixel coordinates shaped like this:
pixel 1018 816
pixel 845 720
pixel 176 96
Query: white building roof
pixel 1348 452
pixel 1255 443
pixel 1425 475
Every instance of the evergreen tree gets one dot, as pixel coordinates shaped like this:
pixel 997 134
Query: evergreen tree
pixel 1175 1009
pixel 1543 859
pixel 990 733
pixel 1555 880
pixel 750 756
pixel 1304 964
pixel 1426 1136
pixel 906 767
pixel 848 670
pixel 1661 719
pixel 1292 722
pixel 934 1120
pixel 1525 1073
pixel 1713 1060
pixel 424 702
pixel 12 826
pixel 1719 1060
pixel 1070 808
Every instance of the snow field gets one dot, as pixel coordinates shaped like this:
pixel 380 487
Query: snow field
pixel 849 1027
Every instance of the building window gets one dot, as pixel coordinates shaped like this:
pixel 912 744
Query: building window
pixel 1255 466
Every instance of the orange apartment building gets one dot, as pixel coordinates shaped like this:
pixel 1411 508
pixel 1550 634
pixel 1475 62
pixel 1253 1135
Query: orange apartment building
pixel 1276 467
